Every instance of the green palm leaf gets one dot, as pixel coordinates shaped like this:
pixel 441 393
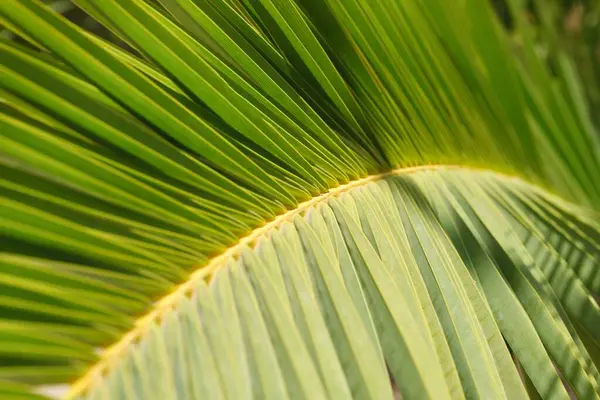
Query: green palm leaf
pixel 295 199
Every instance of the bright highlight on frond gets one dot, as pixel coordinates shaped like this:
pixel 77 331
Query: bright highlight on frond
pixel 130 165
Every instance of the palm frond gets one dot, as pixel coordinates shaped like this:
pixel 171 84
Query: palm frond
pixel 367 281
pixel 304 199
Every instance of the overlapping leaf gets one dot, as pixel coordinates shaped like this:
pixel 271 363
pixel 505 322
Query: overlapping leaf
pixel 329 301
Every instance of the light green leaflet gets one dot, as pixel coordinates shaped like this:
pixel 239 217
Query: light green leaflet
pixel 295 285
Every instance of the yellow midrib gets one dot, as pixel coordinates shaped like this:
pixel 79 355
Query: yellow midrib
pixel 111 355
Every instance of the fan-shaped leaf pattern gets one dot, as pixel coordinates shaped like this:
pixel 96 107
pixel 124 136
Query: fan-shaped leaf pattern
pixel 325 303
pixel 295 199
